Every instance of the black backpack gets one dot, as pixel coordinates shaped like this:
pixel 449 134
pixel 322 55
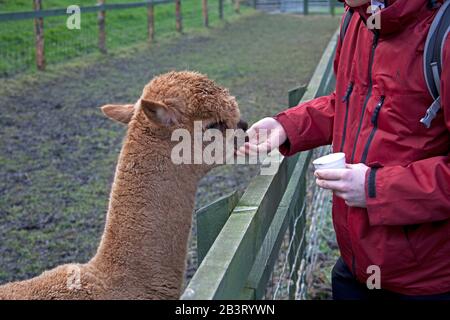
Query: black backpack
pixel 432 57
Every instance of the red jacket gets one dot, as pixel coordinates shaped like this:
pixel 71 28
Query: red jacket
pixel 373 116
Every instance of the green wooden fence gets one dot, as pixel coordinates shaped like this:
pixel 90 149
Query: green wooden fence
pixel 239 238
pixel 299 6
pixel 11 20
pixel 12 16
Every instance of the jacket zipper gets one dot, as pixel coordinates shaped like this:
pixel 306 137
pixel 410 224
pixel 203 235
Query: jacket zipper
pixel 346 99
pixel 369 92
pixel 374 121
pixel 366 101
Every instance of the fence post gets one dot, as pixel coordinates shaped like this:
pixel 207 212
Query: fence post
pixel 205 13
pixel 101 29
pixel 179 24
pixel 237 7
pixel 305 7
pixel 39 33
pixel 332 7
pixel 220 9
pixel 151 23
pixel 254 4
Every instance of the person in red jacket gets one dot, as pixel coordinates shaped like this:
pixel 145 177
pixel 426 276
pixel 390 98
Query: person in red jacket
pixel 391 206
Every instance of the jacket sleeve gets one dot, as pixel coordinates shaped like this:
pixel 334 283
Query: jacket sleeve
pixel 310 124
pixel 420 192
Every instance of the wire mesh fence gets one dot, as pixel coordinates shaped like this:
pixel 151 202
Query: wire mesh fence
pixel 16 51
pixel 293 274
pixel 318 212
pixel 122 28
pixel 284 275
pixel 300 6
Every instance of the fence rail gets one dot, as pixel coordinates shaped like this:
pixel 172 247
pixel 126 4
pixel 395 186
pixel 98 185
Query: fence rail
pixel 299 6
pixel 17 46
pixel 40 37
pixel 14 16
pixel 240 239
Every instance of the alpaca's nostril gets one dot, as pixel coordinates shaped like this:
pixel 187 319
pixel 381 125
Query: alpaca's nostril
pixel 242 125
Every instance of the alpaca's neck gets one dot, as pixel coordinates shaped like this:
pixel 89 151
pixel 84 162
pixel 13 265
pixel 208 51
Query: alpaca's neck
pixel 144 244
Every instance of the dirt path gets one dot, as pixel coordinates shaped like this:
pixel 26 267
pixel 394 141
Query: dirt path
pixel 57 152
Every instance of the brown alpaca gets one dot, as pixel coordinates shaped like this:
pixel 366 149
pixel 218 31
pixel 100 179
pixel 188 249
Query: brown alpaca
pixel 144 244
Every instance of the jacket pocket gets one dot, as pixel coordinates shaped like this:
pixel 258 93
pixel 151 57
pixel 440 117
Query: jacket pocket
pixel 429 241
pixel 388 248
pixel 407 230
pixel 374 121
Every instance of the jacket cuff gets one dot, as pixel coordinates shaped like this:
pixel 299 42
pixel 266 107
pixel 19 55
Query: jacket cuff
pixel 372 188
pixel 289 147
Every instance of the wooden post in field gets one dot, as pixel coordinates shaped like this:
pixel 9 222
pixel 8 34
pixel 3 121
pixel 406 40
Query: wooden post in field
pixel 220 9
pixel 237 6
pixel 254 4
pixel 179 25
pixel 205 13
pixel 39 33
pixel 332 7
pixel 305 7
pixel 101 29
pixel 151 23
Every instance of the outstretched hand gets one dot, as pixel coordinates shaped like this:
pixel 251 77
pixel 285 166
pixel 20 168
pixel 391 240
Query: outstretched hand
pixel 263 136
pixel 348 184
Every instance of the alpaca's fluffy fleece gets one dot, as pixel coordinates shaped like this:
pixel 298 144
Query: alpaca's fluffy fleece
pixel 143 248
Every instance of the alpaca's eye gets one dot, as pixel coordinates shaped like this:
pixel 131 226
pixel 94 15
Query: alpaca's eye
pixel 217 125
pixel 212 125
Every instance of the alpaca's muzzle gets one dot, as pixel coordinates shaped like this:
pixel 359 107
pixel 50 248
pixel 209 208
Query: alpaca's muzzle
pixel 242 125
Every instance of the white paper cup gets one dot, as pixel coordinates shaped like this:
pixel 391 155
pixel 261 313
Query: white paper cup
pixel 330 161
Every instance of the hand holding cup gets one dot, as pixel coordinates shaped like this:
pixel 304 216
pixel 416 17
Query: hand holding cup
pixel 347 181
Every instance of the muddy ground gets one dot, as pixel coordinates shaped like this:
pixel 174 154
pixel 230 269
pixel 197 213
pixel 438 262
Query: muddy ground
pixel 58 153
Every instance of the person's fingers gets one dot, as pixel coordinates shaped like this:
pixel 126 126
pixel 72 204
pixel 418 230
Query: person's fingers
pixel 355 166
pixel 334 185
pixel 248 149
pixel 260 141
pixel 271 142
pixel 240 152
pixel 346 197
pixel 332 174
pixel 252 150
pixel 252 132
pixel 258 136
pixel 264 147
pixel 264 143
pixel 352 166
pixel 342 195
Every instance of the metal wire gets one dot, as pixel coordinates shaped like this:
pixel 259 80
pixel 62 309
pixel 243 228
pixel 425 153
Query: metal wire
pixel 320 208
pixel 17 40
pixel 293 273
pixel 286 261
pixel 294 6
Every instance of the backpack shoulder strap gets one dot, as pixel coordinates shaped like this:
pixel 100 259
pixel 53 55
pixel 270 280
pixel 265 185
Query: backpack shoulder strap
pixel 345 23
pixel 444 41
pixel 432 59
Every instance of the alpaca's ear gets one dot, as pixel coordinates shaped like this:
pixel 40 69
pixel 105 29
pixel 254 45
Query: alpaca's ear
pixel 119 113
pixel 161 113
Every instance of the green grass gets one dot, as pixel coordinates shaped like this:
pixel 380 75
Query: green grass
pixel 123 28
pixel 58 153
